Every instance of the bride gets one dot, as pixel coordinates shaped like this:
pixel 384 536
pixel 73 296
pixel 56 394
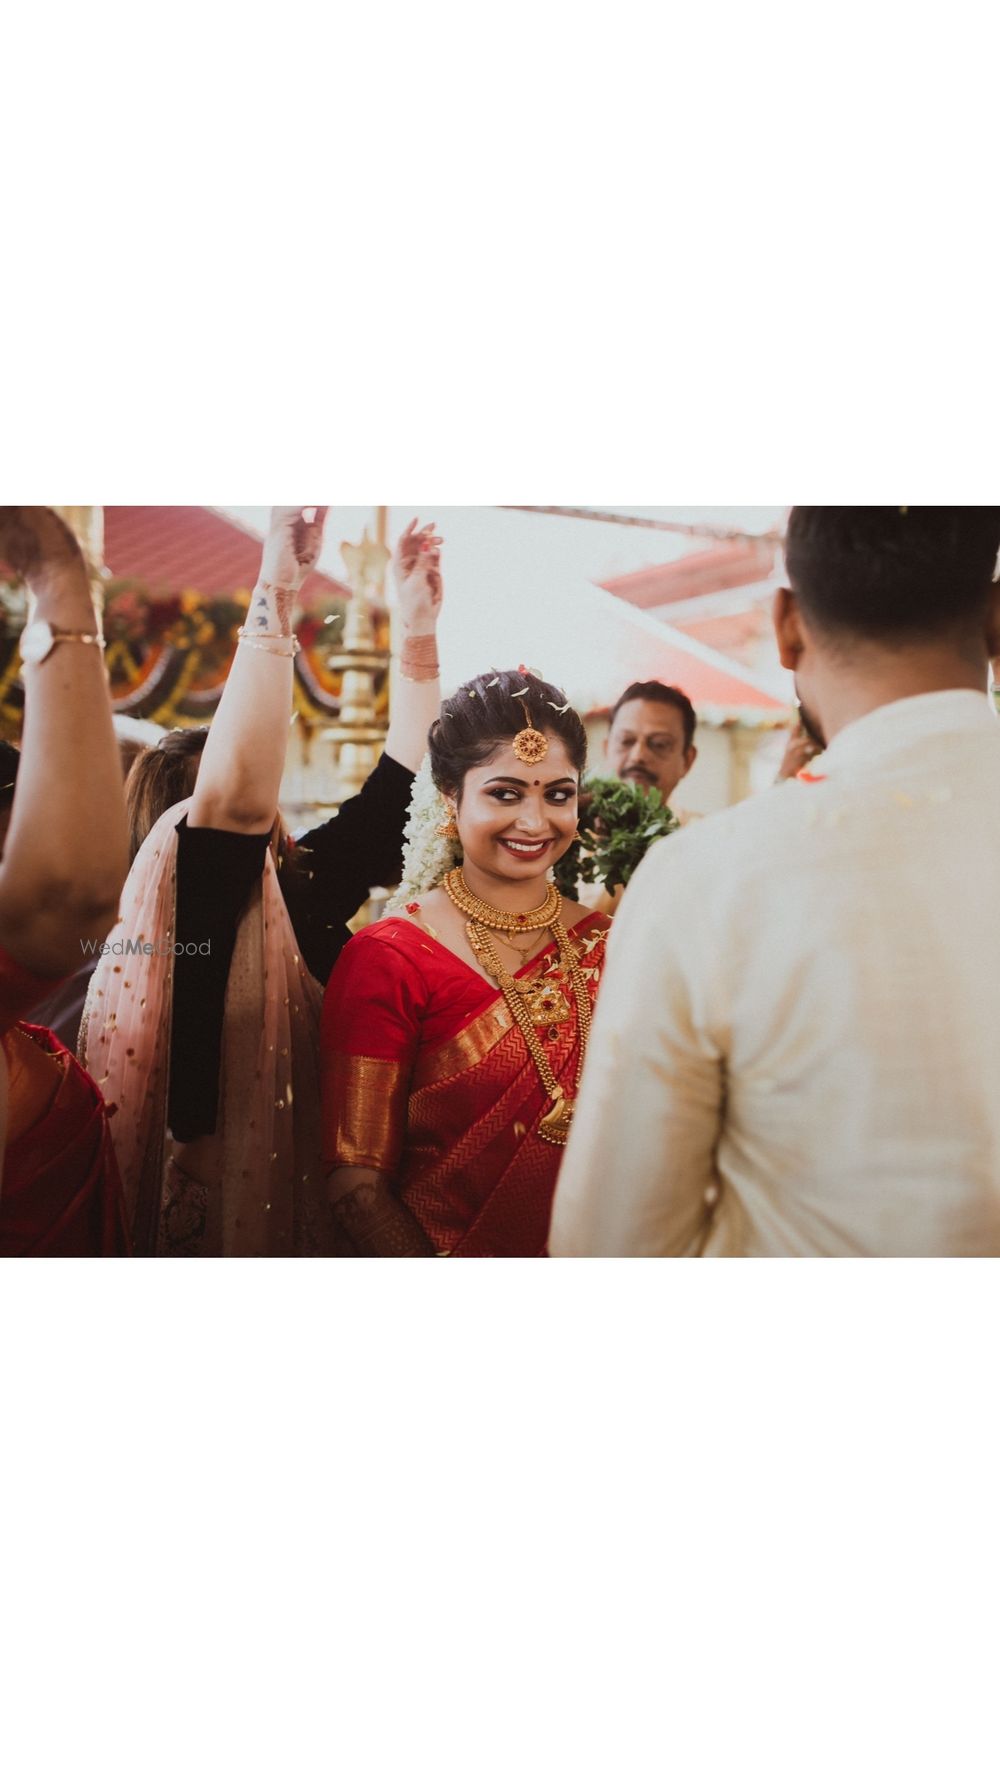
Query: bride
pixel 454 1031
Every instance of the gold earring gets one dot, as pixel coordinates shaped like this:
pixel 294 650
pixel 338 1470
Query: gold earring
pixel 448 830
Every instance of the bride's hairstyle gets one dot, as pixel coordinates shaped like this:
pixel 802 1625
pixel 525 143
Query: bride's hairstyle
pixel 492 709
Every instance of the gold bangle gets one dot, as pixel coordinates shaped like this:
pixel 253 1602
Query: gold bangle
pixel 270 642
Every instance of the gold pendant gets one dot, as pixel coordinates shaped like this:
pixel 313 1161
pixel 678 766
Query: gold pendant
pixel 554 1126
pixel 546 1002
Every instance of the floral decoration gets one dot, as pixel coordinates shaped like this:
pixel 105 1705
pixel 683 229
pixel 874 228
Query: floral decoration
pixel 428 856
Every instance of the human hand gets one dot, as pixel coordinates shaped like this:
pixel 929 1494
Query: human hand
pixel 292 545
pixel 39 545
pixel 799 752
pixel 416 567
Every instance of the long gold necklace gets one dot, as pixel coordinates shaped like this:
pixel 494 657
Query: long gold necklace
pixel 483 918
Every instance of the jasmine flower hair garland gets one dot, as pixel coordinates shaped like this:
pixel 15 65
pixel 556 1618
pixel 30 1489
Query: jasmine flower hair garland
pixel 427 855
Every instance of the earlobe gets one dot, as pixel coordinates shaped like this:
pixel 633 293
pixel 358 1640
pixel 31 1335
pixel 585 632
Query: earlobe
pixel 787 628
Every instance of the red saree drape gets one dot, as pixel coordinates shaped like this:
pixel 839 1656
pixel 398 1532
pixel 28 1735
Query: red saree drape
pixel 61 1194
pixel 427 1078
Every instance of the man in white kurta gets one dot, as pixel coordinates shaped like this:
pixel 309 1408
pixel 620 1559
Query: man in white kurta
pixel 796 1047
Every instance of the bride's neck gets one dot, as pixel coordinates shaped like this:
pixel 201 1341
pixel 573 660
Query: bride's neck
pixel 502 892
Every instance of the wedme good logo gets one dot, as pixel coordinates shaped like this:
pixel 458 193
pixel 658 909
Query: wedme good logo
pixel 138 947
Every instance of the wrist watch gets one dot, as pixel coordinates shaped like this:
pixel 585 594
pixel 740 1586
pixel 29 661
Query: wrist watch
pixel 39 639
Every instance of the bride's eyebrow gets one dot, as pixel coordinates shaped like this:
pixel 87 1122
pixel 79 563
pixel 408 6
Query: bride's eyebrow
pixel 523 783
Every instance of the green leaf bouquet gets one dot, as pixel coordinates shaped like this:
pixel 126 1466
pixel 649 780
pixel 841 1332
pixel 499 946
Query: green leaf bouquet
pixel 618 824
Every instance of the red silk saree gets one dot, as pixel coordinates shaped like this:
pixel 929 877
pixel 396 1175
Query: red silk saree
pixel 61 1194
pixel 427 1079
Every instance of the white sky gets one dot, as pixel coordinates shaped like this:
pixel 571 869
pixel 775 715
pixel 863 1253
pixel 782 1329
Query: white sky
pixel 520 586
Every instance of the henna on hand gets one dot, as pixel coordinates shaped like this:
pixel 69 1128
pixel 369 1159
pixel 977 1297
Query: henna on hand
pixel 284 599
pixel 40 546
pixel 35 539
pixel 374 1220
pixel 417 573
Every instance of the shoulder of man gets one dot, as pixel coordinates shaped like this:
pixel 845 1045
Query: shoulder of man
pixel 755 830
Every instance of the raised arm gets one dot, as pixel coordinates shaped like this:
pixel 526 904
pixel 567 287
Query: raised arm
pixel 416 697
pixel 66 855
pixel 240 773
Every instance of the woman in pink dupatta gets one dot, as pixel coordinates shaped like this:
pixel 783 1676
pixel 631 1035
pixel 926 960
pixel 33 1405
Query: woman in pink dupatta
pixel 255 1185
pixel 236 1170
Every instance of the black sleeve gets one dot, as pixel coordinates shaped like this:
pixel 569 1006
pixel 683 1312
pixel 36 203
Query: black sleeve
pixel 335 866
pixel 216 873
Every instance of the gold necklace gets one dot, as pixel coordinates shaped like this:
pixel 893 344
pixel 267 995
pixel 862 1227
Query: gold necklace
pixel 517 932
pixel 554 1126
pixel 501 919
pixel 520 947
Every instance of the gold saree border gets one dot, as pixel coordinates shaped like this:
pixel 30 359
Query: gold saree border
pixel 470 1047
pixel 364 1111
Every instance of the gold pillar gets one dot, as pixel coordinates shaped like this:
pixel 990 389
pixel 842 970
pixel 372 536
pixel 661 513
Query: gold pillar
pixel 359 736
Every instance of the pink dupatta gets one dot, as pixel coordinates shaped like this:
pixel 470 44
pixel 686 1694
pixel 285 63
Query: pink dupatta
pixel 256 1185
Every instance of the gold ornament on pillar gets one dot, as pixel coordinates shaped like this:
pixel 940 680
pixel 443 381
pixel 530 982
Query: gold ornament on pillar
pixel 359 735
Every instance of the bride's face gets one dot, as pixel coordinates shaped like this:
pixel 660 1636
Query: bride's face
pixel 515 821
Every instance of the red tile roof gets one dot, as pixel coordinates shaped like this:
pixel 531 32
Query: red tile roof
pixel 172 548
pixel 706 571
pixel 737 634
pixel 705 683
